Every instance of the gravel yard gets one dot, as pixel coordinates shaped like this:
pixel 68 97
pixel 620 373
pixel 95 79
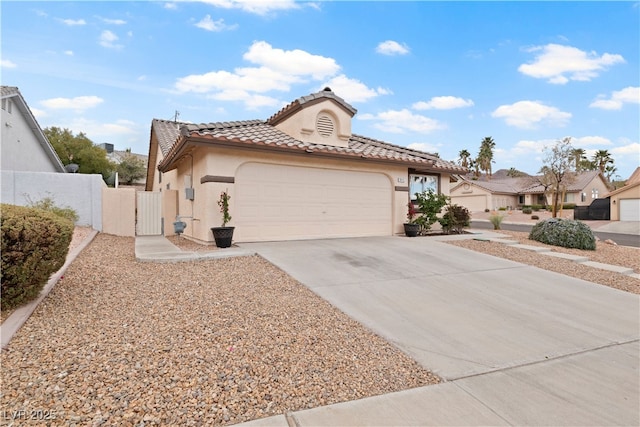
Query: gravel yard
pixel 119 342
pixel 604 253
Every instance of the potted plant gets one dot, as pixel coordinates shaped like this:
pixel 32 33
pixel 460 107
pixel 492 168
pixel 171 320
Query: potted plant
pixel 223 235
pixel 411 228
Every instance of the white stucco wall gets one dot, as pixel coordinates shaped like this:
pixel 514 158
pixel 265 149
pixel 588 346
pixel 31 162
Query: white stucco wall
pixel 78 191
pixel 20 149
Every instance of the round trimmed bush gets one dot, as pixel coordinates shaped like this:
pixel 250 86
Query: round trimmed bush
pixel 567 233
pixel 35 244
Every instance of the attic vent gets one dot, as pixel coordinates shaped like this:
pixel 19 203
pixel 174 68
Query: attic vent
pixel 324 125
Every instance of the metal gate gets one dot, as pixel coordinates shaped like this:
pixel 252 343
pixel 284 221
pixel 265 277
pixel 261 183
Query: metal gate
pixel 149 213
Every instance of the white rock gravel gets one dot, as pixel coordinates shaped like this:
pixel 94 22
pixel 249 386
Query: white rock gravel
pixel 213 342
pixel 605 253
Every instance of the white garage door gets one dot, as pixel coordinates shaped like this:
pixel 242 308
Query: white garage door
pixel 630 210
pixel 473 203
pixel 275 202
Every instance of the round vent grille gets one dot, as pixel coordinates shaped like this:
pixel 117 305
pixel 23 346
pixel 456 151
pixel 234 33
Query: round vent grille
pixel 324 125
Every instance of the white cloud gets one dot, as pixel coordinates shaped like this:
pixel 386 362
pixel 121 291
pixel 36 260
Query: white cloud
pixel 113 21
pixel 443 103
pixel 258 7
pixel 209 24
pixel 5 63
pixel 559 64
pixel 294 62
pixel 401 121
pixel 68 52
pixel 530 114
pixel 38 113
pixel 79 103
pixel 108 40
pixel 352 90
pixel 628 95
pixel 631 149
pixel 170 6
pixel 587 141
pixel 424 146
pixel 391 47
pixel 95 129
pixel 73 22
pixel 276 70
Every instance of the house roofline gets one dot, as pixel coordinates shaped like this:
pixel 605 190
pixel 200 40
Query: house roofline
pixel 186 143
pixel 36 129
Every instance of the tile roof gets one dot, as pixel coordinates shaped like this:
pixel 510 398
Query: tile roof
pixel 262 133
pixel 528 184
pixel 6 91
pixel 296 105
pixel 167 132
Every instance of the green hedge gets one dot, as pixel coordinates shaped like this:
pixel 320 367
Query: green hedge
pixel 35 244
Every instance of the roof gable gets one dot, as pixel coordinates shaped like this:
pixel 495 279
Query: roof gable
pixel 13 93
pixel 321 118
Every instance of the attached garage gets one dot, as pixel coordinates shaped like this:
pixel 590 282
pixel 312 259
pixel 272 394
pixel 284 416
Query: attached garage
pixel 279 202
pixel 473 203
pixel 629 209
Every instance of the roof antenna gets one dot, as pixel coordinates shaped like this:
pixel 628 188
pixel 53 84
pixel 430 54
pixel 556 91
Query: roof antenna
pixel 175 117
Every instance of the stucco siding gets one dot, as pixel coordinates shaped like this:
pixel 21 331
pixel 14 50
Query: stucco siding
pixel 21 150
pixel 203 212
pixel 631 193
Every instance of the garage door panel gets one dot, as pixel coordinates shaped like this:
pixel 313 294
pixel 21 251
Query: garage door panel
pixel 291 202
pixel 630 210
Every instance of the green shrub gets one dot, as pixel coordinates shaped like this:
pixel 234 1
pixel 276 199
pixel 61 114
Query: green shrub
pixel 429 204
pixel 569 206
pixel 567 233
pixel 496 220
pixel 502 208
pixel 455 219
pixel 47 204
pixel 537 207
pixel 35 244
pixel 527 211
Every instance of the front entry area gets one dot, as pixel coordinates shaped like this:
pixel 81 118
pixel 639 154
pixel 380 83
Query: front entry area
pixel 276 202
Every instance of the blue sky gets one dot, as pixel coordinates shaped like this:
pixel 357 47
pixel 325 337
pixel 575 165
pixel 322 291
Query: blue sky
pixel 436 76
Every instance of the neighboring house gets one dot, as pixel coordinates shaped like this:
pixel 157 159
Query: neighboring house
pixel 116 156
pixel 502 191
pixel 625 201
pixel 300 174
pixel 24 145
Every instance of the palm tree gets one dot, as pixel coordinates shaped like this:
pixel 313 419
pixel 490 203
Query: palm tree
pixel 578 155
pixel 485 157
pixel 464 158
pixel 602 158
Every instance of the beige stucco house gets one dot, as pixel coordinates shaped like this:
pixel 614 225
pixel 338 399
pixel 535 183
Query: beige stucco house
pixel 300 174
pixel 625 201
pixel 511 192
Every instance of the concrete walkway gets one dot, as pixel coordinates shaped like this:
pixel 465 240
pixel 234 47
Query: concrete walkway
pixel 516 345
pixel 160 249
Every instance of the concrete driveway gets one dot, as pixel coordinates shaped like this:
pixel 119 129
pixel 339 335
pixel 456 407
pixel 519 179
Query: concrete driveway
pixel 532 346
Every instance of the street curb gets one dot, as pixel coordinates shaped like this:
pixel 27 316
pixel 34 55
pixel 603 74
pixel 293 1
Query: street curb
pixel 18 318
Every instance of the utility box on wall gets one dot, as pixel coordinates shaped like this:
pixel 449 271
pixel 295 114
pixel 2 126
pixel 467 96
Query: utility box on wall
pixel 189 192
